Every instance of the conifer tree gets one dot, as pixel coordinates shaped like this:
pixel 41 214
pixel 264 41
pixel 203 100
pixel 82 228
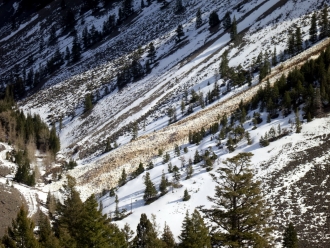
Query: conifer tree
pixel 178 7
pixel 199 20
pixel 186 195
pixel 325 28
pixel 224 67
pixel 298 41
pixel 20 234
pixel 298 123
pixel 88 104
pixel 151 52
pixel 45 233
pixel 233 31
pixel 146 235
pixel 168 238
pixel 213 19
pixel 123 178
pixel 76 49
pixel 117 213
pixel 313 29
pixel 163 184
pixel 290 239
pixel 96 230
pixel 194 233
pixel 179 32
pixel 239 211
pixel 176 175
pixel 150 190
pixel 274 57
pixel 227 21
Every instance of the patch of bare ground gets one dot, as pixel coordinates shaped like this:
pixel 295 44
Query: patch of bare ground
pixel 106 172
pixel 10 202
pixel 306 201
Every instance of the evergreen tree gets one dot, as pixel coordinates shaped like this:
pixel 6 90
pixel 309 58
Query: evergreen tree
pixel 142 4
pixel 233 31
pixel 213 19
pixel 189 169
pixel 117 213
pixel 199 20
pixel 274 57
pixel 67 54
pixel 298 123
pixel 227 21
pixel 178 7
pixel 239 210
pixel 176 175
pixel 150 190
pixel 88 104
pixel 325 28
pixel 96 230
pixel 45 233
pixel 177 150
pixel 168 238
pixel 224 67
pixel 163 184
pixel 146 235
pixel 76 49
pixel 313 29
pixel 179 32
pixel 151 52
pixel 194 233
pixel 123 178
pixel 20 234
pixel 298 41
pixel 290 239
pixel 186 195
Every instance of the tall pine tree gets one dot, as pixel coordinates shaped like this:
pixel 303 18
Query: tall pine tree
pixel 290 239
pixel 313 29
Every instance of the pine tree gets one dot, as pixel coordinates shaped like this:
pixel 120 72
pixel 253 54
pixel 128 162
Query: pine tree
pixel 67 54
pixel 179 32
pixel 20 234
pixel 324 23
pixel 298 123
pixel 45 233
pixel 76 49
pixel 117 212
pixel 274 57
pixel 186 195
pixel 151 52
pixel 177 150
pixel 96 230
pixel 163 184
pixel 199 20
pixel 123 178
pixel 194 233
pixel 313 29
pixel 233 31
pixel 168 238
pixel 150 190
pixel 146 235
pixel 176 175
pixel 290 239
pixel 298 41
pixel 224 67
pixel 88 104
pixel 213 19
pixel 227 21
pixel 178 7
pixel 239 211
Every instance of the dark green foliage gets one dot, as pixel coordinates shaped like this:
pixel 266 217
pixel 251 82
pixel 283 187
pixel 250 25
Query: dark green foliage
pixel 20 234
pixel 139 170
pixel 176 174
pixel 185 149
pixel 197 157
pixel 150 190
pixel 179 32
pixel 168 238
pixel 194 233
pixel 325 28
pixel 313 29
pixel 290 239
pixel 239 211
pixel 224 67
pixel 123 178
pixel 186 195
pixel 23 173
pixel 214 19
pixel 233 31
pixel 178 7
pixel 88 104
pixel 170 168
pixel 54 141
pixel 166 157
pixel 45 233
pixel 177 150
pixel 151 52
pixel 76 49
pixel 226 21
pixel 163 184
pixel 71 164
pixel 150 165
pixel 199 20
pixel 146 235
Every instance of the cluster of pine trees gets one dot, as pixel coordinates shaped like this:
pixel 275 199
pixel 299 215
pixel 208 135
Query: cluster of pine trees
pixel 239 217
pixel 26 133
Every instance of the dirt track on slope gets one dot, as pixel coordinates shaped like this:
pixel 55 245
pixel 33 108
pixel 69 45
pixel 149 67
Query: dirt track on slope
pixel 106 172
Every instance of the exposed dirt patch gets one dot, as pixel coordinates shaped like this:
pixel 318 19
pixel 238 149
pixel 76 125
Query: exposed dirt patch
pixel 10 202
